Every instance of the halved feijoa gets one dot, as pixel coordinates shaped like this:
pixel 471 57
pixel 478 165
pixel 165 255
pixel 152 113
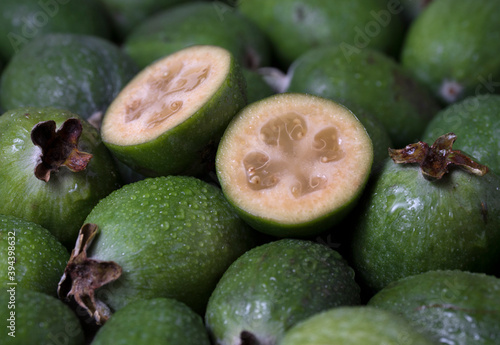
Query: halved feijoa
pixel 170 117
pixel 294 164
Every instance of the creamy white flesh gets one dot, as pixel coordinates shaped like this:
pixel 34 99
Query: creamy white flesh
pixel 165 94
pixel 292 158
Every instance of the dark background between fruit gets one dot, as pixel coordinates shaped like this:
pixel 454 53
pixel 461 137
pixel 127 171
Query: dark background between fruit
pixel 459 95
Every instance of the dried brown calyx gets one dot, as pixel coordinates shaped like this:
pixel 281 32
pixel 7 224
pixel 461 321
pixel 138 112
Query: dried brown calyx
pixel 83 276
pixel 59 147
pixel 434 160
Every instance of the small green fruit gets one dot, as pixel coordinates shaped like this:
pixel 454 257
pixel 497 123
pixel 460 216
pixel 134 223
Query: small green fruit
pixel 54 169
pixel 294 164
pixel 449 307
pixel 360 325
pixel 159 237
pixel 272 287
pixel 153 321
pixel 30 255
pixel 169 119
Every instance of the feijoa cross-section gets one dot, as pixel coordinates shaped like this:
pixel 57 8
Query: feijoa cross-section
pixel 294 164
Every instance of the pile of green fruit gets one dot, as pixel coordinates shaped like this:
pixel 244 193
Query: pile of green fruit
pixel 250 172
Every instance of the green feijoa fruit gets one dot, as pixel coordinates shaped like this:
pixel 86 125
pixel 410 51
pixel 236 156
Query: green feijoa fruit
pixel 257 87
pixel 33 317
pixel 126 15
pixel 411 9
pixel 168 236
pixel 169 119
pixel 79 73
pixel 476 122
pixel 355 325
pixel 23 21
pixel 294 164
pixel 436 216
pixel 54 169
pixel 153 321
pixel 198 23
pixel 295 27
pixel 30 256
pixel 449 307
pixel 454 53
pixel 371 80
pixel 272 287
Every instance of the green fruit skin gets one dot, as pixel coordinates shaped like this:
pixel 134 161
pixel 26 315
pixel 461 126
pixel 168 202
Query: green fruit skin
pixel 153 321
pixel 409 225
pixel 476 122
pixel 371 81
pixel 23 21
pixel 38 319
pixel 272 287
pixel 173 237
pixel 61 204
pixel 171 153
pixel 195 23
pixel 36 255
pixel 357 325
pixel 79 73
pixel 460 45
pixel 449 307
pixel 295 27
pixel 257 87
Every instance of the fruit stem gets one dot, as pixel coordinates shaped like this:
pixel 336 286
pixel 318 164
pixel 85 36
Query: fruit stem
pixel 83 275
pixel 59 147
pixel 434 160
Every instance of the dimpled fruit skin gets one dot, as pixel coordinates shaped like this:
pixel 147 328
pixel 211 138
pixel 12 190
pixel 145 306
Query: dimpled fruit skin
pixel 61 204
pixel 460 45
pixel 369 80
pixel 173 237
pixel 476 122
pixel 409 224
pixel 39 319
pixel 198 23
pixel 79 73
pixel 451 307
pixel 360 325
pixel 39 258
pixel 167 321
pixel 272 287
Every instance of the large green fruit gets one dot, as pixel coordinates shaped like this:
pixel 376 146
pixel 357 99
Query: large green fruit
pixel 360 325
pixel 33 317
pixel 368 80
pixel 455 52
pixel 272 287
pixel 296 26
pixel 22 21
pixel 153 321
pixel 449 307
pixel 168 236
pixel 410 224
pixel 79 73
pixel 168 120
pixel 30 256
pixel 198 23
pixel 55 195
pixel 476 122
pixel 294 164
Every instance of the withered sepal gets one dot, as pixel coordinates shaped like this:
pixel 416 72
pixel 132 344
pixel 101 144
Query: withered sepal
pixel 434 160
pixel 59 147
pixel 83 276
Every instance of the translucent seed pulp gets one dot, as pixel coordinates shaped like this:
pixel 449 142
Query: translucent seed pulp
pixel 288 134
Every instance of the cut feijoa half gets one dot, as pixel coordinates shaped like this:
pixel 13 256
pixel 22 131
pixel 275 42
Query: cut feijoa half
pixel 169 119
pixel 294 164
